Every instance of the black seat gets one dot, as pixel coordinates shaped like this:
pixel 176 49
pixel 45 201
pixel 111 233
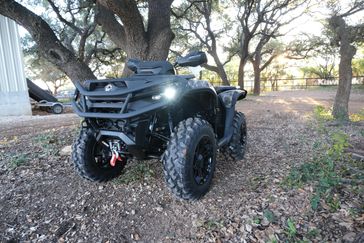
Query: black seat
pixel 150 67
pixel 220 89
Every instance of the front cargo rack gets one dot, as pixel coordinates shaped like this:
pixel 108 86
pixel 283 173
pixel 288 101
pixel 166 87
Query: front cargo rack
pixel 119 98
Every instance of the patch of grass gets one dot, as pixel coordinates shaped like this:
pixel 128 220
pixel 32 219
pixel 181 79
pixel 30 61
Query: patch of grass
pixel 213 224
pixel 357 87
pixel 334 203
pixel 357 117
pixel 45 139
pixel 322 114
pixel 269 215
pixel 312 233
pixel 321 172
pixel 139 172
pixel 354 212
pixel 48 142
pixel 298 176
pixel 315 201
pixel 340 141
pixel 362 132
pixel 257 181
pixel 17 160
pixel 291 230
pixel 256 221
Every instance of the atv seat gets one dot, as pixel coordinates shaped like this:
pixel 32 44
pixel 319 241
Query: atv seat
pixel 150 67
pixel 220 89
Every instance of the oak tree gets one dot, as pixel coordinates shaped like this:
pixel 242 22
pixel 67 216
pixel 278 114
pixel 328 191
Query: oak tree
pixel 144 36
pixel 345 36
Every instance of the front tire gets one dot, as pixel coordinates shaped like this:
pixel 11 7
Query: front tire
pixel 190 158
pixel 91 158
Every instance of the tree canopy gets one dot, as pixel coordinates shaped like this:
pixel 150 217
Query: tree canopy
pixel 93 39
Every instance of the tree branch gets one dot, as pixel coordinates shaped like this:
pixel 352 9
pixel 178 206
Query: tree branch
pixel 210 67
pixel 63 20
pixel 130 16
pixel 51 48
pixel 106 19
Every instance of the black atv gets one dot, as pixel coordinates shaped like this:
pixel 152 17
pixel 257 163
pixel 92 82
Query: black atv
pixel 157 114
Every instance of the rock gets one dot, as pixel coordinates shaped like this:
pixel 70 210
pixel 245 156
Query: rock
pixel 32 229
pixel 347 225
pixel 230 230
pixel 248 228
pixel 265 222
pixel 66 151
pixel 159 209
pixel 242 229
pixel 135 237
pixel 349 237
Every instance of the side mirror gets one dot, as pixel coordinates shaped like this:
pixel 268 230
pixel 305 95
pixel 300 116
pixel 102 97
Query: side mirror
pixel 192 59
pixel 132 64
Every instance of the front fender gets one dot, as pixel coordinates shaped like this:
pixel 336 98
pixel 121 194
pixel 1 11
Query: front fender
pixel 230 97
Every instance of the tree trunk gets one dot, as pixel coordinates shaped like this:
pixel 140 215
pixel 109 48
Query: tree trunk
pixel 347 52
pixel 257 70
pixel 241 73
pixel 223 76
pixel 49 45
pixel 220 69
pixel 150 43
pixel 159 32
pixel 341 104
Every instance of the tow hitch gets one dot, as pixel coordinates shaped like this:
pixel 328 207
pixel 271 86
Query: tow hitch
pixel 115 157
pixel 115 149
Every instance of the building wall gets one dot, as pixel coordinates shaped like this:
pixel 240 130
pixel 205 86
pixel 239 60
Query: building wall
pixel 14 98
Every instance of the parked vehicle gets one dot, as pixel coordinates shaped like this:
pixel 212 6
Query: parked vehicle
pixel 44 99
pixel 157 114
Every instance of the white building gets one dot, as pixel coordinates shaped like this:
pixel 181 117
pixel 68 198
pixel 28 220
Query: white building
pixel 14 98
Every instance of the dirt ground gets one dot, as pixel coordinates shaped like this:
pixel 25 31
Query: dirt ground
pixel 43 200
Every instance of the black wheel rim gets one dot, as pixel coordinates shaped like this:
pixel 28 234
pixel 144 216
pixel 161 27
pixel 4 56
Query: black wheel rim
pixel 203 160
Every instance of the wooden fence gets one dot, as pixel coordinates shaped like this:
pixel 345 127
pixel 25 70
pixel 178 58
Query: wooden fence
pixel 282 84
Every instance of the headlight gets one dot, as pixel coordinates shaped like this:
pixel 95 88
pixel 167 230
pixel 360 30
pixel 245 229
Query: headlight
pixel 170 93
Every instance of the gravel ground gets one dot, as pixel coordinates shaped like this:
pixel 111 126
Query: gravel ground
pixel 43 200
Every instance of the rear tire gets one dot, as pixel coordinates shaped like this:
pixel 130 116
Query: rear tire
pixel 236 148
pixel 87 161
pixel 190 158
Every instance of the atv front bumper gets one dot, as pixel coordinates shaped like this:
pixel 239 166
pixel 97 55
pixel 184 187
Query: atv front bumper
pixel 118 98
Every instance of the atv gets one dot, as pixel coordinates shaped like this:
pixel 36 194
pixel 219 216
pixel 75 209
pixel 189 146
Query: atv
pixel 156 114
